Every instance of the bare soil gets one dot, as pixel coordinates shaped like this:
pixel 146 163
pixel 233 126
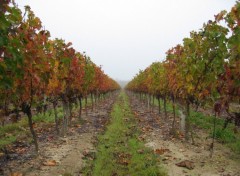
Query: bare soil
pixel 173 150
pixel 59 155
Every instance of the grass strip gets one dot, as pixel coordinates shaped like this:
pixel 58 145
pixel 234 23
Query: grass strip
pixel 119 152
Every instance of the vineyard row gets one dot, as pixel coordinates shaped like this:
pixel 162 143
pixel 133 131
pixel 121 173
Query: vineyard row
pixel 36 70
pixel 205 69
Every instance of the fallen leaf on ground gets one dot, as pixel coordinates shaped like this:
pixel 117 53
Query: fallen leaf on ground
pixel 186 163
pixel 21 150
pixel 124 158
pixel 50 163
pixel 161 151
pixel 78 125
pixel 16 174
pixel 89 154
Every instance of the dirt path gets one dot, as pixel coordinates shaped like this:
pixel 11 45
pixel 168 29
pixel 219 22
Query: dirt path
pixel 63 155
pixel 156 135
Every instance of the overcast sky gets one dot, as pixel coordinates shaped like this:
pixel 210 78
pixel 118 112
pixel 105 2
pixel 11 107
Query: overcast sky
pixel 124 35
